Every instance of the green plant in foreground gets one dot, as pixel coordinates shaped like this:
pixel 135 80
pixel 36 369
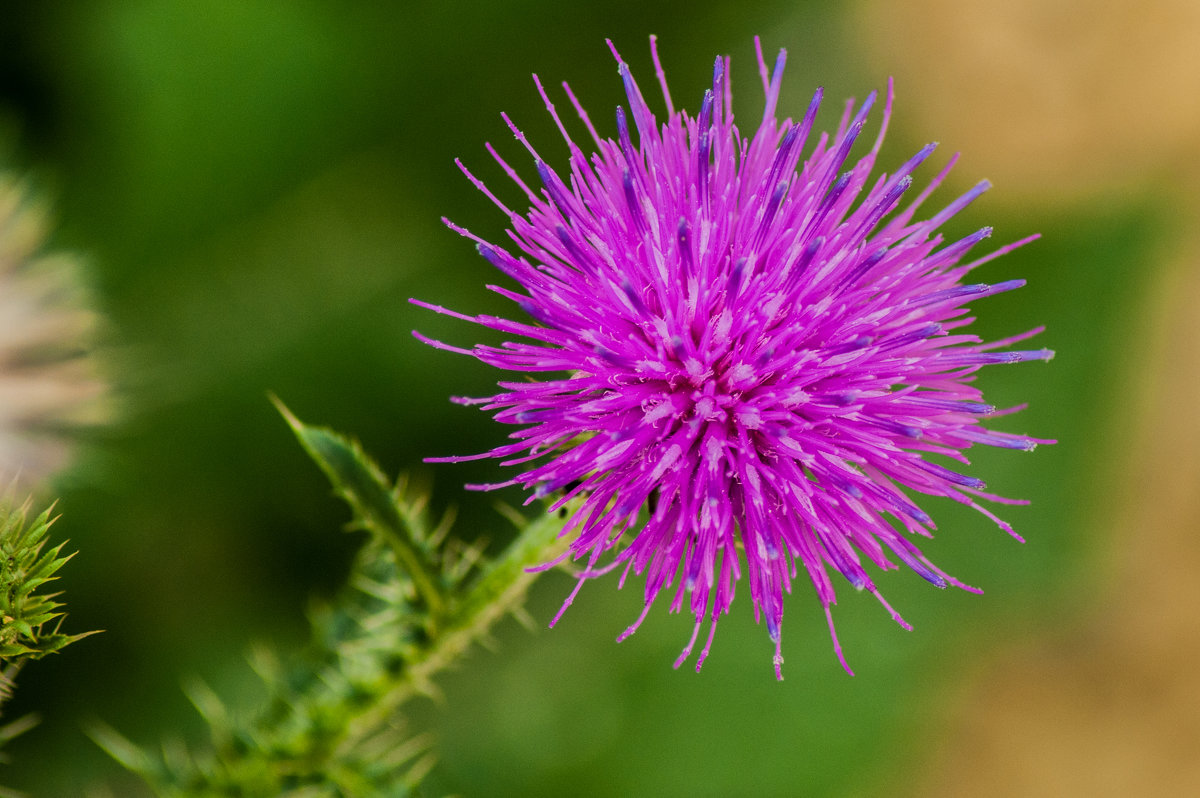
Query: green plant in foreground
pixel 415 601
pixel 30 618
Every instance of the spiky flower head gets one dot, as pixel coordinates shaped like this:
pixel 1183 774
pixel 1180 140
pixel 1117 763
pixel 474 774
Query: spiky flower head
pixel 750 353
pixel 48 382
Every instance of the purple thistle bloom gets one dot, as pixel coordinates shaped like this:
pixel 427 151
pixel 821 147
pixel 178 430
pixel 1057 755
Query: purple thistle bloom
pixel 751 354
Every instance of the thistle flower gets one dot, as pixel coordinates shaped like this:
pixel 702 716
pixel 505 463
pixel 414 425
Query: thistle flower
pixel 751 354
pixel 47 383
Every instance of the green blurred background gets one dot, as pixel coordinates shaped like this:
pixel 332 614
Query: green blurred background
pixel 257 188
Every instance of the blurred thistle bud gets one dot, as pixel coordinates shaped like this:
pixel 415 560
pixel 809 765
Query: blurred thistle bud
pixel 48 381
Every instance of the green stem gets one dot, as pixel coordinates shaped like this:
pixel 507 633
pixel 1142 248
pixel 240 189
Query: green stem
pixel 500 589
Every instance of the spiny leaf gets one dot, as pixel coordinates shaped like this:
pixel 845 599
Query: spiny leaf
pixel 29 620
pixel 378 507
pixel 414 603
